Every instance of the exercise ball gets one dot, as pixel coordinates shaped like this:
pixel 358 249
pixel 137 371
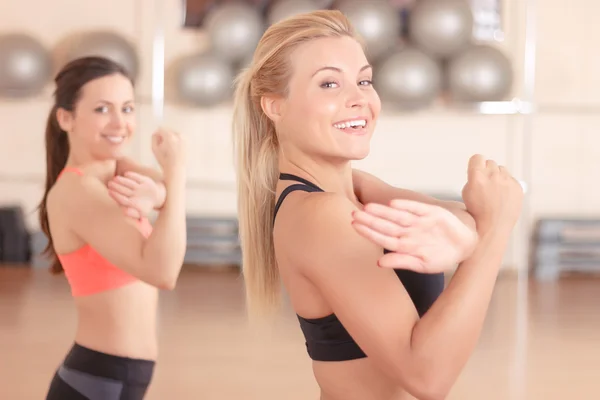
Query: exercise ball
pixel 108 45
pixel 283 9
pixel 376 21
pixel 479 73
pixel 234 30
pixel 25 66
pixel 408 78
pixel 441 27
pixel 204 79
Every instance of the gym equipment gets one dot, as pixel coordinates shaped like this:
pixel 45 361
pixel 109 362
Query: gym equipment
pixel 25 66
pixel 479 73
pixel 204 79
pixel 287 8
pixel 377 22
pixel 14 236
pixel 566 245
pixel 38 242
pixel 234 30
pixel 105 44
pixel 212 241
pixel 409 78
pixel 441 27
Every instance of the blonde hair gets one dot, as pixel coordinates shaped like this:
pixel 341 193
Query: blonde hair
pixel 256 146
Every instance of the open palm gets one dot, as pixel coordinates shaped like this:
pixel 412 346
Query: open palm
pixel 418 236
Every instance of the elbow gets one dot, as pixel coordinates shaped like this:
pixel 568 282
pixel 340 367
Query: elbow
pixel 426 386
pixel 432 393
pixel 166 279
pixel 167 284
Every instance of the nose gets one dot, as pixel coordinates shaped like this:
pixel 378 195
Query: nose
pixel 118 120
pixel 356 98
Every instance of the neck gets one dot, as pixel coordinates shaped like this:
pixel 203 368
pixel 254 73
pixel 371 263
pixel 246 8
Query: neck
pixel 330 175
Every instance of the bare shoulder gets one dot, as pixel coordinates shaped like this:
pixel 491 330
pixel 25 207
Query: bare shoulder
pixel 324 235
pixel 76 193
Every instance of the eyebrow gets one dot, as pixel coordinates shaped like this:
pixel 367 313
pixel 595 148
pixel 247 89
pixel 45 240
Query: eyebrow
pixel 338 69
pixel 110 102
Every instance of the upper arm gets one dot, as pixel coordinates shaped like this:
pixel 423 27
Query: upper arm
pixel 127 164
pixel 99 221
pixel 370 302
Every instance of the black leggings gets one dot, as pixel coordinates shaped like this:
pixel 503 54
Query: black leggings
pixel 91 375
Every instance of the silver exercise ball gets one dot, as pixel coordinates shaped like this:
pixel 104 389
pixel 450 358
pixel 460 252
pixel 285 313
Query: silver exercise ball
pixel 283 9
pixel 408 78
pixel 376 21
pixel 441 27
pixel 108 45
pixel 234 30
pixel 480 73
pixel 204 79
pixel 25 66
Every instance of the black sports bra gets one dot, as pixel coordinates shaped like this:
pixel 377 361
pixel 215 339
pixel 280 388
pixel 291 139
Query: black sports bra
pixel 326 338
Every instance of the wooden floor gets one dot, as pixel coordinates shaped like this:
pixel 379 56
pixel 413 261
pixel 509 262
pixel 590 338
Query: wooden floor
pixel 207 351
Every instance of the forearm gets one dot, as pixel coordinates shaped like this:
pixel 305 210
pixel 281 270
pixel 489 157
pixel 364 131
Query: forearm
pixel 460 211
pixel 129 165
pixel 166 247
pixel 369 189
pixel 445 337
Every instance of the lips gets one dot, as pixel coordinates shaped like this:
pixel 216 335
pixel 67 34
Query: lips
pixel 115 139
pixel 353 123
pixel 355 126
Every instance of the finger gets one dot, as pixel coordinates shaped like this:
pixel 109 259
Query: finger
pixel 380 224
pixel 414 207
pixel 402 261
pixel 119 198
pixel 157 139
pixel 387 242
pixel 120 188
pixel 476 163
pixel 404 244
pixel 397 215
pixel 133 213
pixel 125 181
pixel 491 167
pixel 504 171
pixel 139 178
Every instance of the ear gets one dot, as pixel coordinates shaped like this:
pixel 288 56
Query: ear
pixel 272 107
pixel 65 119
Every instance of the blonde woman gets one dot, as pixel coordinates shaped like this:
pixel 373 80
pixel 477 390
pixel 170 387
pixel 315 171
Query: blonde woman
pixel 304 109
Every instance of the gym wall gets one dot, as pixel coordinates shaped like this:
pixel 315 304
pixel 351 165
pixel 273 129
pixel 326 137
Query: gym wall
pixel 426 150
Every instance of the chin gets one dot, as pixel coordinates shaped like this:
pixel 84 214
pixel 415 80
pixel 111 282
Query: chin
pixel 359 152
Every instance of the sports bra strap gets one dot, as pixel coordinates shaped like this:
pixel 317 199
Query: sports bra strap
pixel 290 177
pixel 70 169
pixel 305 186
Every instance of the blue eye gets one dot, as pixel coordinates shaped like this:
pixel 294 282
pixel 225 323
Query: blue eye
pixel 129 109
pixel 326 85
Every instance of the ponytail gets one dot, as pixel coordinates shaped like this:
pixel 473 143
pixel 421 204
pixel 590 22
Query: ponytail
pixel 57 152
pixel 255 146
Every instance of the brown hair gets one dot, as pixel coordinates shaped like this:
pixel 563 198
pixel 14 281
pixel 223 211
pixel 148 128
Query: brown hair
pixel 256 146
pixel 69 81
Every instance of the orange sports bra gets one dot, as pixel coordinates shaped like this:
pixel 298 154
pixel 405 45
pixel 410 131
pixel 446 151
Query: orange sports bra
pixel 88 272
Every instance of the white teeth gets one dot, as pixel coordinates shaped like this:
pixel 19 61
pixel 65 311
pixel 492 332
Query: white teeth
pixel 350 124
pixel 115 139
